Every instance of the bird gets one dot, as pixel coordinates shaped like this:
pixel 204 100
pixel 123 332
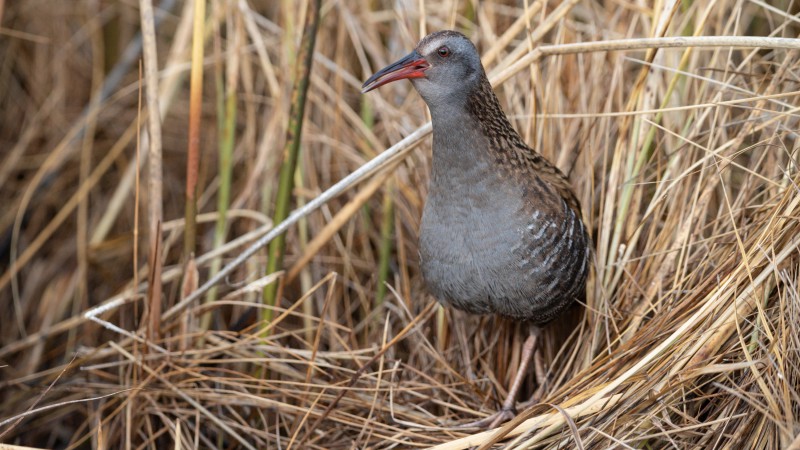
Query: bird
pixel 501 229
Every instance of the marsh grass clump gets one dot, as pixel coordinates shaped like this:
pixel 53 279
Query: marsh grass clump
pixel 680 142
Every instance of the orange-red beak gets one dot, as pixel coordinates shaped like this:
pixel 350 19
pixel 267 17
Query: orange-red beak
pixel 412 65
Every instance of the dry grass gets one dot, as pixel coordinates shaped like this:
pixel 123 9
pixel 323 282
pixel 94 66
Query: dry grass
pixel 685 160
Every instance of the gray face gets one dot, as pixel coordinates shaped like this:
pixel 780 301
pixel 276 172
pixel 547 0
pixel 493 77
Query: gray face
pixel 444 68
pixel 455 68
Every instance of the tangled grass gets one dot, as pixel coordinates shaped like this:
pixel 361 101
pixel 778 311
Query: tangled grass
pixel 677 124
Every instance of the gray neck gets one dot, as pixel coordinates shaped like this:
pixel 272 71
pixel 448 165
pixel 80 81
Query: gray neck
pixel 460 153
pixel 468 133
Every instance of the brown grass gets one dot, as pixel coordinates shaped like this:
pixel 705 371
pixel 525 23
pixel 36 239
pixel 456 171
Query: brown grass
pixel 685 159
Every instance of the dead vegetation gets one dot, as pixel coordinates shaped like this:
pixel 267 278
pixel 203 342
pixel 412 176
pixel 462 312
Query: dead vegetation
pixel 684 157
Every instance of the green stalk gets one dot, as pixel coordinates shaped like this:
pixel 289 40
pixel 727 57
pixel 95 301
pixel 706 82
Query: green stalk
pixel 385 251
pixel 226 107
pixel 386 243
pixel 305 58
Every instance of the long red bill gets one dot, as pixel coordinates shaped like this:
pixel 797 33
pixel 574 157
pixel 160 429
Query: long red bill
pixel 412 65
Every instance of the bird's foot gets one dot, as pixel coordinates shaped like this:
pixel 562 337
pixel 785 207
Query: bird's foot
pixel 492 421
pixel 508 411
pixel 505 414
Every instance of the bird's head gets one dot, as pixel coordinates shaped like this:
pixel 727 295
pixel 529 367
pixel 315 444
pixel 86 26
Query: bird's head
pixel 444 68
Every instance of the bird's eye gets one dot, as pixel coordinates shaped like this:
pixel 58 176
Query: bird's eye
pixel 443 51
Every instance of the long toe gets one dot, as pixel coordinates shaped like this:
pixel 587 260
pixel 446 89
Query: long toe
pixel 504 415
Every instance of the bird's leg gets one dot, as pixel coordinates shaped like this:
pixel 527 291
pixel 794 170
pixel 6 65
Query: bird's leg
pixel 508 411
pixel 541 380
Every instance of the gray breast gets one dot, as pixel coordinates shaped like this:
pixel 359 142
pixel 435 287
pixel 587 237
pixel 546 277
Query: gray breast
pixel 486 248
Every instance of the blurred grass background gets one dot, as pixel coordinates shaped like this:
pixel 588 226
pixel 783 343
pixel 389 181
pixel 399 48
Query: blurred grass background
pixel 685 160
